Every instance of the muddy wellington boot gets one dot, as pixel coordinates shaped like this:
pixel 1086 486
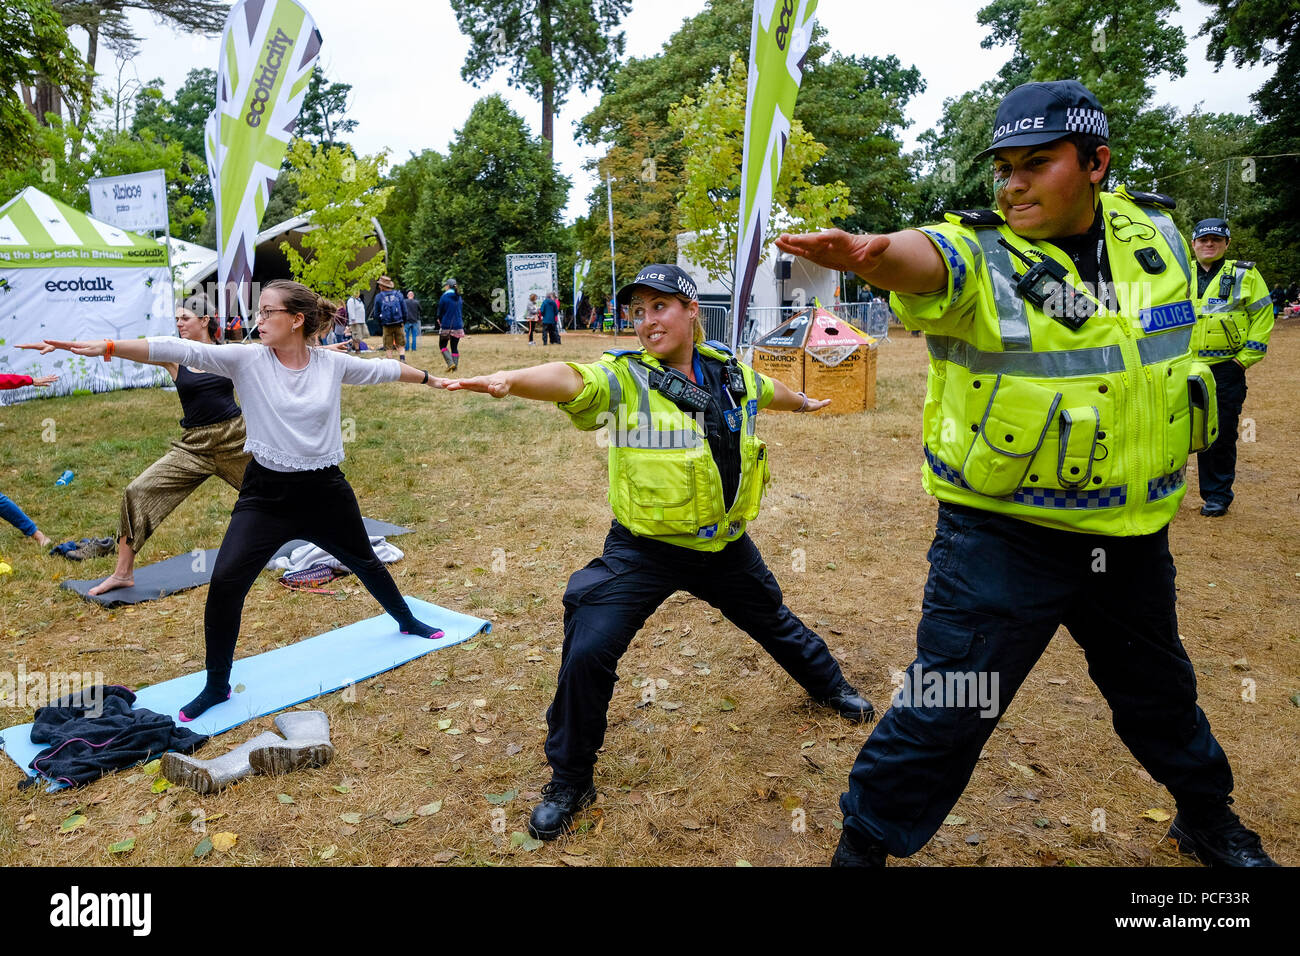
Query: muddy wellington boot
pixel 209 776
pixel 306 744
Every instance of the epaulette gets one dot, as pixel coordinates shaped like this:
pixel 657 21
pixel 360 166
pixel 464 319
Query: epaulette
pixel 1245 265
pixel 718 346
pixel 619 353
pixel 1148 199
pixel 974 217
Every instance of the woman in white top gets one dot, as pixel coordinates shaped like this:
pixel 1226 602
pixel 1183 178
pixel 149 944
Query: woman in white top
pixel 293 487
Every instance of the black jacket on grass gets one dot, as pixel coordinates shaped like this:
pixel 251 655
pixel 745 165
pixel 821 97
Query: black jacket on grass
pixel 94 731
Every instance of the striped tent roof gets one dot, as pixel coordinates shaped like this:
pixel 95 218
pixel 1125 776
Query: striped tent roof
pixel 38 230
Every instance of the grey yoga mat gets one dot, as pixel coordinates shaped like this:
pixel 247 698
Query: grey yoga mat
pixel 185 571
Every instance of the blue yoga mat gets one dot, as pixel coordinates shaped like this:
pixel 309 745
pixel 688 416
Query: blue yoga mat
pixel 270 682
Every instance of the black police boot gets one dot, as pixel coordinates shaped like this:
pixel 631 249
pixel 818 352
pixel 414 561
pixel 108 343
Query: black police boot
pixel 1225 842
pixel 560 803
pixel 855 850
pixel 850 704
pixel 1214 509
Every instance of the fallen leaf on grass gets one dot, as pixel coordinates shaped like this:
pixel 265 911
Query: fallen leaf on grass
pixel 444 856
pixel 568 859
pixel 204 848
pixel 952 820
pixel 690 825
pixel 148 818
pixel 429 809
pixel 500 799
pixel 152 767
pixel 513 749
pixel 524 841
pixel 342 788
pixel 284 798
pixel 161 785
pixel 122 846
pixel 224 842
pixel 1156 814
pixel 74 822
pixel 1025 771
pixel 328 852
pixel 398 817
pixel 353 818
pixel 727 703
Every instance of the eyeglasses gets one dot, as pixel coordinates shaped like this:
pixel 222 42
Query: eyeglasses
pixel 263 313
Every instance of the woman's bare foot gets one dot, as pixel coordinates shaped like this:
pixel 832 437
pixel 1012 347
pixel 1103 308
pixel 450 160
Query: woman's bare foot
pixel 40 538
pixel 112 583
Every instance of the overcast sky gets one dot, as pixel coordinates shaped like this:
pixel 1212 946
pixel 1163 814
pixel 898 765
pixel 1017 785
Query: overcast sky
pixel 403 59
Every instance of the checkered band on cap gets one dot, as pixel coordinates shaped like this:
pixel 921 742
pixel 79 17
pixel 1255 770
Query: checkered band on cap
pixel 687 286
pixel 1082 120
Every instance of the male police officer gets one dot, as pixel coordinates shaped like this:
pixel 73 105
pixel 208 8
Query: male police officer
pixel 1061 404
pixel 1234 316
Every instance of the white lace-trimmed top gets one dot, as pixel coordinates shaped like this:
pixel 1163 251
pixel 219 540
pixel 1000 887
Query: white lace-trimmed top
pixel 292 415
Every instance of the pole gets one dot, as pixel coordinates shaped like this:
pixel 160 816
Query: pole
pixel 613 282
pixel 1227 172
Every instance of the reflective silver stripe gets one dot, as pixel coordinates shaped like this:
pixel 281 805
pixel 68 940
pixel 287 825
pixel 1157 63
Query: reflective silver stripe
pixel 615 390
pixel 1172 236
pixel 1166 346
pixel 1239 276
pixel 1256 306
pixel 641 375
pixel 1069 363
pixel 1013 319
pixel 976 253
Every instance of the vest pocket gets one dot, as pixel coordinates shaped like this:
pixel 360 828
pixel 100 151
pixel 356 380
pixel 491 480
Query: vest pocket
pixel 661 492
pixel 1204 407
pixel 1012 430
pixel 753 485
pixel 1078 429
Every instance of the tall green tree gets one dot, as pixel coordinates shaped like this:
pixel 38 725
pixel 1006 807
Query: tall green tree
pixel 549 46
pixel 407 181
pixel 34 48
pixel 712 127
pixel 1267 32
pixel 323 118
pixel 342 192
pixel 497 192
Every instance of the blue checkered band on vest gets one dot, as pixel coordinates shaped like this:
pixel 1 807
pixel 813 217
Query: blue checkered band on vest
pixel 1165 485
pixel 1080 120
pixel 1041 497
pixel 1255 346
pixel 956 265
pixel 1216 353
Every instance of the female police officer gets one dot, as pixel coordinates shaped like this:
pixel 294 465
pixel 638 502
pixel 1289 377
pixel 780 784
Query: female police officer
pixel 686 472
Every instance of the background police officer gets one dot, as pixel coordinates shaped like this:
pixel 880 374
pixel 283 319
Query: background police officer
pixel 686 472
pixel 1057 423
pixel 1234 316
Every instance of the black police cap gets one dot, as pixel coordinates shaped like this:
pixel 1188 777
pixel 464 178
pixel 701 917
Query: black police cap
pixel 1211 227
pixel 664 278
pixel 1037 113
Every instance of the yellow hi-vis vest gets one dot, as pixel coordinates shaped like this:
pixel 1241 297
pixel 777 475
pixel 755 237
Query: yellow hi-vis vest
pixel 1234 317
pixel 663 481
pixel 1085 430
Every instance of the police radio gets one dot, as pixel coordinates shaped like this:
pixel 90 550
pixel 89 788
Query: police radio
pixel 735 378
pixel 1045 286
pixel 679 389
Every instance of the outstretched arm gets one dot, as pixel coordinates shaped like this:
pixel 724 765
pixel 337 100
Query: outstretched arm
pixel 552 382
pixel 901 262
pixel 137 350
pixel 785 399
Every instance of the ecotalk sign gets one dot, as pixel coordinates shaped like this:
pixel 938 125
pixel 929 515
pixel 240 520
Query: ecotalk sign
pixel 136 202
pixel 528 273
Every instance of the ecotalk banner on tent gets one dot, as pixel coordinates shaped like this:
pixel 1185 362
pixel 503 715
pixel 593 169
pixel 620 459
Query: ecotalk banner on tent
pixel 137 201
pixel 268 50
pixel 65 275
pixel 526 273
pixel 779 43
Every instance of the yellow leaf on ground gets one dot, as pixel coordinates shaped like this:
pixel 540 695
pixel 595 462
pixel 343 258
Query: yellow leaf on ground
pixel 224 842
pixel 1158 815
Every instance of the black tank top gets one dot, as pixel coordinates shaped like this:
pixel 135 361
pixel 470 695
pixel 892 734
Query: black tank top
pixel 206 398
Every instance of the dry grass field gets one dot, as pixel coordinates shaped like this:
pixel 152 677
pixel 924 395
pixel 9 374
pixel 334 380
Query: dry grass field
pixel 731 752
